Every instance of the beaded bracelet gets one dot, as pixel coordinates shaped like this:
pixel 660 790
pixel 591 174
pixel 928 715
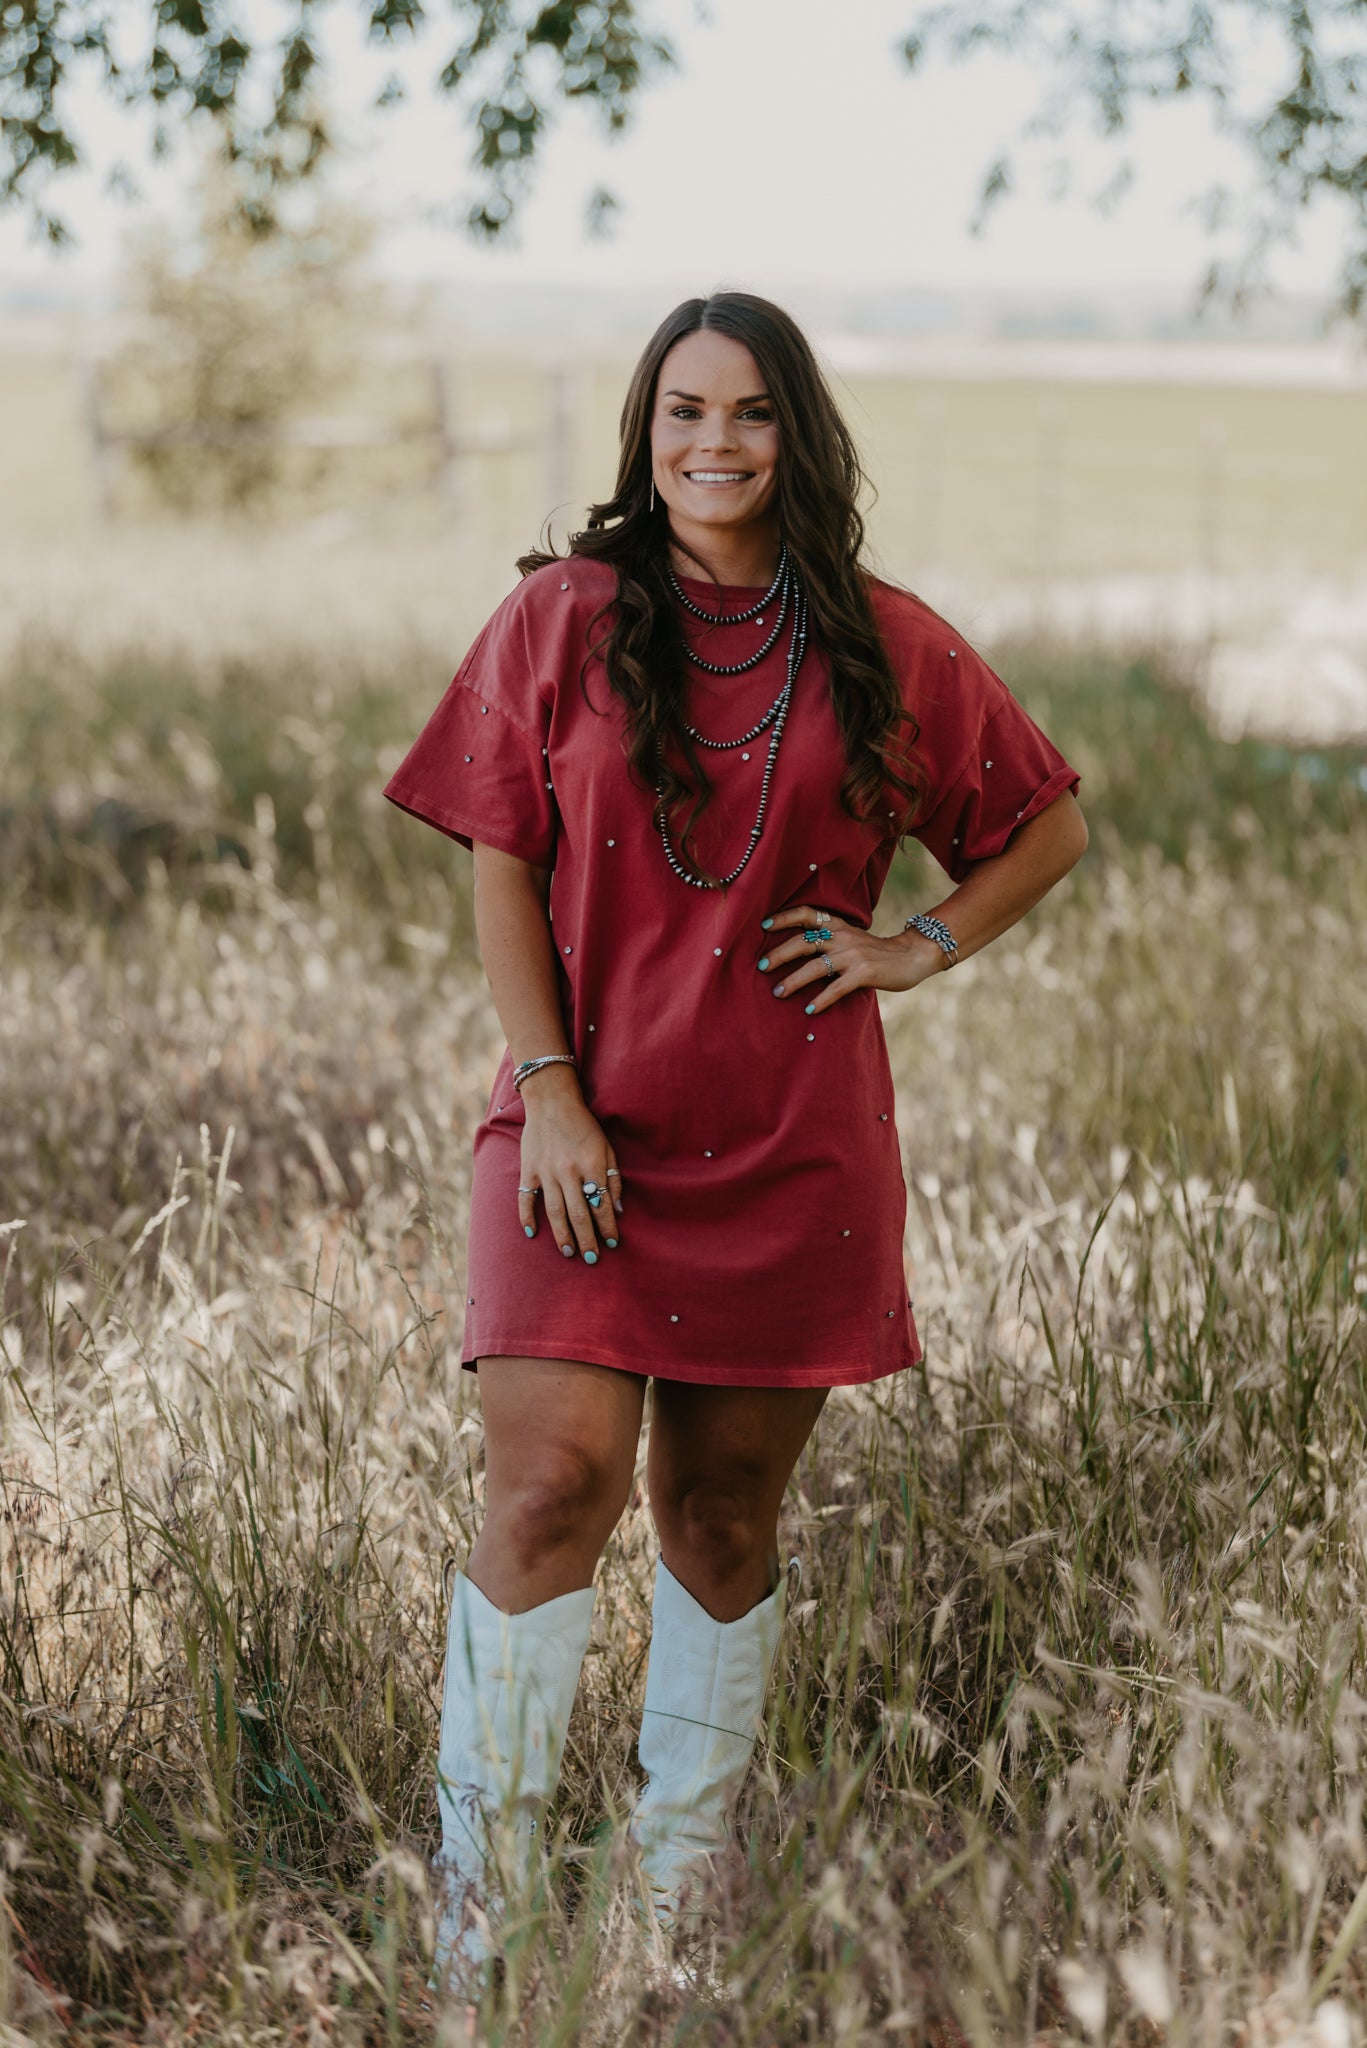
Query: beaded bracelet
pixel 934 928
pixel 547 1059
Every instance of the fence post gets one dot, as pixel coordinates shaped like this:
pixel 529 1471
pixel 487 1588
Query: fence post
pixel 1049 489
pixel 1210 517
pixel 102 453
pixel 564 388
pixel 932 411
pixel 448 476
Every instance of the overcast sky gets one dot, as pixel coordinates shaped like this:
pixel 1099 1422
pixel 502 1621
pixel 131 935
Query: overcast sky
pixel 791 146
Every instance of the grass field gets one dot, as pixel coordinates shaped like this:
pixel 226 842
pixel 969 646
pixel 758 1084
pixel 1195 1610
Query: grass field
pixel 1069 1733
pixel 990 478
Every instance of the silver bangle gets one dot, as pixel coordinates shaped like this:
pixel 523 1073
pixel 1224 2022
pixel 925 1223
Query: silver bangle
pixel 934 928
pixel 547 1059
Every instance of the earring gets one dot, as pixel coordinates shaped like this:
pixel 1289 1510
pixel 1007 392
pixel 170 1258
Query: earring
pixel 652 494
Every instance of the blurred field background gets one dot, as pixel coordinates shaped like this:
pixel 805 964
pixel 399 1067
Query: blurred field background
pixel 1068 1736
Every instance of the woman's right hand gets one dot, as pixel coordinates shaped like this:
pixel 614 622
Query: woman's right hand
pixel 563 1145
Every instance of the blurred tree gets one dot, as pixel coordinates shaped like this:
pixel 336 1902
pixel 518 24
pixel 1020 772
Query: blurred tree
pixel 1287 78
pixel 514 63
pixel 510 65
pixel 239 334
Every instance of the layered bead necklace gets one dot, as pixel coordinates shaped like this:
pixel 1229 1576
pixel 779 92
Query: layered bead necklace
pixel 791 599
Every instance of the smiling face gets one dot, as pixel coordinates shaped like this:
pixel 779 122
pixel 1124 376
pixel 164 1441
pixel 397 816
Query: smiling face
pixel 714 443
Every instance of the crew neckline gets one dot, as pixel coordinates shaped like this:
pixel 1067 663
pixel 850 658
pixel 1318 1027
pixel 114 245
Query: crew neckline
pixel 708 587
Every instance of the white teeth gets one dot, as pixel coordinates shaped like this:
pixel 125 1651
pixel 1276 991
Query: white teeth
pixel 716 476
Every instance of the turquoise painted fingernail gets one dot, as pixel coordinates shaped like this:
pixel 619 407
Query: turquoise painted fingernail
pixel 611 1243
pixel 765 923
pixel 810 1008
pixel 590 1258
pixel 765 961
pixel 529 1230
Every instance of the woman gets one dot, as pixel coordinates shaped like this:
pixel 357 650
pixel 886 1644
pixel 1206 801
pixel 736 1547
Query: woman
pixel 682 757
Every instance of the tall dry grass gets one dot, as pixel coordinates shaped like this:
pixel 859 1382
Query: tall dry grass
pixel 1069 1729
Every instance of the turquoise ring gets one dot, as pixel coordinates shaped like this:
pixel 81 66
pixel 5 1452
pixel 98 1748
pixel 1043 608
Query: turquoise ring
pixel 816 935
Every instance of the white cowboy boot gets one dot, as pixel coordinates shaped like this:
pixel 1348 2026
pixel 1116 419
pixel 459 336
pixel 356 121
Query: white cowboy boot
pixel 507 1693
pixel 705 1687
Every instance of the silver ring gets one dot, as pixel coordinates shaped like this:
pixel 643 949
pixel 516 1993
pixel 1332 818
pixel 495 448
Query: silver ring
pixel 590 1187
pixel 614 1170
pixel 529 1191
pixel 831 967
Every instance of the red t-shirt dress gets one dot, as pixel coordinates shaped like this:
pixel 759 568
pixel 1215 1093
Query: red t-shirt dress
pixel 763 1199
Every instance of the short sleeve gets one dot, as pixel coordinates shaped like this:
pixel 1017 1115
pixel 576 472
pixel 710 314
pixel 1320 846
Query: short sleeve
pixel 479 769
pixel 987 765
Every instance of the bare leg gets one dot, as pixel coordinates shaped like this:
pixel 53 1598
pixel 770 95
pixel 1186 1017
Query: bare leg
pixel 559 1452
pixel 719 1461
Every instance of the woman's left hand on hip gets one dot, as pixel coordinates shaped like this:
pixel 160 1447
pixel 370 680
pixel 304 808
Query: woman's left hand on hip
pixel 795 968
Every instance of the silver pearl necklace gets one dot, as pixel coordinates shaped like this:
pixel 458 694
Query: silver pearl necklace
pixel 732 618
pixel 783 584
pixel 777 716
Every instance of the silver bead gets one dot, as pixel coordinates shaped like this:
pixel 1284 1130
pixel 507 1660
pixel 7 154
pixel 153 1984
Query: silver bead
pixel 612 842
pixel 844 1233
pixel 707 1155
pixel 469 757
pixel 673 1319
pixel 953 652
pixel 564 586
pixel 987 764
pixel 717 951
pixel 811 1035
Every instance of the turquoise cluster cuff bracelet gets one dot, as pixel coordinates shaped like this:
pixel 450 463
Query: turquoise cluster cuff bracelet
pixel 934 928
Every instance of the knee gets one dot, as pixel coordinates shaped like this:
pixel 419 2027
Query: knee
pixel 564 1496
pixel 719 1525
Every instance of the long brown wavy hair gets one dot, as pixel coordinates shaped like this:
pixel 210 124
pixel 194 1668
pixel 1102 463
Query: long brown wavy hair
pixel 819 483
